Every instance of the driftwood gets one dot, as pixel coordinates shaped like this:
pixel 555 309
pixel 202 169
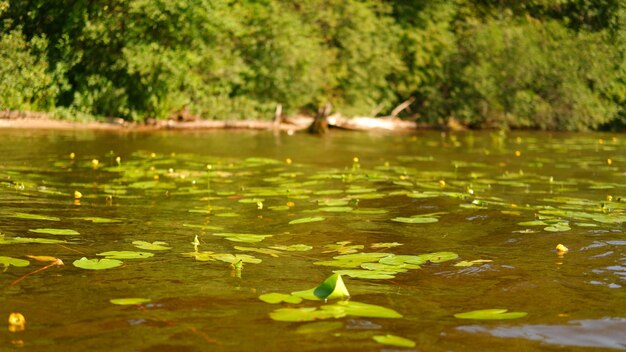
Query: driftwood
pixel 398 109
pixel 36 120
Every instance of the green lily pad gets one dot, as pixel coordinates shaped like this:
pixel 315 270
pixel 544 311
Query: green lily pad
pixel 267 251
pixel 533 223
pixel 294 248
pixel 98 220
pixel 204 227
pixel 389 269
pixel 96 264
pixel 125 255
pixel 27 216
pixel 154 246
pixel 366 274
pixel 359 309
pixel 304 314
pixel 332 287
pixel 490 314
pixel 370 211
pixel 403 259
pixel 415 220
pixel 393 340
pixel 557 228
pixel 275 298
pixel 8 261
pixel 437 257
pixel 129 301
pixel 242 237
pixel 385 244
pixel 306 220
pixel 4 240
pixel 336 209
pixel 232 259
pixel 57 232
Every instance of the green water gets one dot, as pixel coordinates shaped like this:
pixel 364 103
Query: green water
pixel 476 183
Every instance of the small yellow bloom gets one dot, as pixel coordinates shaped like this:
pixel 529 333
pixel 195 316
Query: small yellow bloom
pixel 561 249
pixel 95 163
pixel 518 153
pixel 609 161
pixel 72 155
pixel 77 195
pixel 355 159
pixel 291 204
pixel 288 161
pixel 17 322
pixel 442 183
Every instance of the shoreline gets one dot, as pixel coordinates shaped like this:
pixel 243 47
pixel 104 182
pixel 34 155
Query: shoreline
pixel 36 120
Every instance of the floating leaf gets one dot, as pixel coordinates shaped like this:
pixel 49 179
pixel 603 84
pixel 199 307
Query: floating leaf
pixel 533 223
pixel 490 314
pixel 304 314
pixel 98 220
pixel 343 248
pixel 385 244
pixel 437 257
pixel 403 259
pixel 369 211
pixel 57 232
pixel 232 259
pixel 204 227
pixel 332 287
pixel 466 263
pixel 359 309
pixel 4 240
pixel 7 261
pixel 267 251
pixel 154 246
pixel 27 216
pixel 306 220
pixel 125 255
pixel 275 298
pixel 294 248
pixel 558 227
pixel 389 269
pixel 242 237
pixel 366 274
pixel 96 264
pixel 415 220
pixel 129 301
pixel 335 209
pixel 201 256
pixel 393 340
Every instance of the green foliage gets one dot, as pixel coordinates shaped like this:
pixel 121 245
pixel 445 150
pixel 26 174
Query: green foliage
pixel 519 64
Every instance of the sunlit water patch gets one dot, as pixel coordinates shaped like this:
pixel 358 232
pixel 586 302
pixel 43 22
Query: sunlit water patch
pixel 196 241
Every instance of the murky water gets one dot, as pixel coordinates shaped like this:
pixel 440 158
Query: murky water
pixel 506 199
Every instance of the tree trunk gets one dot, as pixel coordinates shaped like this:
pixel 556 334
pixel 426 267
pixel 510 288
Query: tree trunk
pixel 320 123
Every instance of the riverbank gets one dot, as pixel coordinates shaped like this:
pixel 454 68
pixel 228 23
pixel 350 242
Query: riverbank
pixel 38 120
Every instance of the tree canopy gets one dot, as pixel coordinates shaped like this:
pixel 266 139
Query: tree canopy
pixel 489 63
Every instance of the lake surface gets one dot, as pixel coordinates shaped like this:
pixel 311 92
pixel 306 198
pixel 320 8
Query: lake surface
pixel 493 205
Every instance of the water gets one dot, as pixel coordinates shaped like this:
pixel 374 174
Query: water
pixel 481 184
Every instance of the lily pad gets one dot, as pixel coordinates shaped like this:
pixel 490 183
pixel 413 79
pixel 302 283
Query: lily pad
pixel 385 244
pixel 275 298
pixel 242 237
pixel 154 246
pixel 403 259
pixel 204 227
pixel 393 340
pixel 490 314
pixel 4 240
pixel 8 261
pixel 294 248
pixel 56 232
pixel 232 259
pixel 98 220
pixel 336 209
pixel 437 257
pixel 366 274
pixel 359 309
pixel 306 220
pixel 415 220
pixel 304 314
pixel 27 216
pixel 319 327
pixel 96 264
pixel 267 251
pixel 129 301
pixel 125 255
